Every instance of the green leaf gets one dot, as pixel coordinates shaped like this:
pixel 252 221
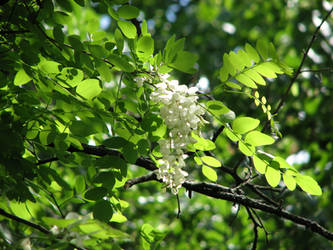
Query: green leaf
pixel 260 164
pixel 97 50
pixel 130 153
pixel 62 223
pixel 252 53
pixel 244 79
pixel 89 88
pixel 185 61
pixel 104 71
pixel 217 108
pixel 80 184
pixel 203 144
pixel 127 28
pixel 96 193
pixel 242 125
pixel 58 34
pixel 75 41
pixel 245 58
pixel 227 68
pixel 211 161
pixel 197 160
pixel 110 161
pixel 283 163
pixel 209 173
pixel 255 76
pixel 273 176
pixel 266 70
pixel 289 181
pixel 81 128
pixel 102 210
pixel 21 78
pixel 231 135
pixel 308 184
pixel 262 47
pixel 257 138
pixel 128 12
pixel 121 62
pixel 118 217
pixel 233 85
pixel 107 178
pixel 70 77
pixel 145 47
pixel 113 13
pixel 115 142
pixel 246 149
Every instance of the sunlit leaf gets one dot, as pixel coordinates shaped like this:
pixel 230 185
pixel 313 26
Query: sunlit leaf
pixel 273 176
pixel 308 184
pixel 211 161
pixel 257 138
pixel 21 78
pixel 242 125
pixel 89 88
pixel 209 173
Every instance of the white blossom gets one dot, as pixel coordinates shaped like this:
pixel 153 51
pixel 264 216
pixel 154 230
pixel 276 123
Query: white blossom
pixel 182 115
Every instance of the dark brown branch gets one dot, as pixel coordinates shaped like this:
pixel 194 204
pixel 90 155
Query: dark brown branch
pixel 255 228
pixel 141 179
pixel 6 32
pixel 31 224
pixel 256 204
pixel 213 190
pixel 23 221
pixel 314 36
pixel 217 133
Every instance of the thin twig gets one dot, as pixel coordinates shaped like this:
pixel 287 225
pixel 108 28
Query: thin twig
pixel 57 205
pixel 178 204
pixel 317 70
pixel 255 228
pixel 284 97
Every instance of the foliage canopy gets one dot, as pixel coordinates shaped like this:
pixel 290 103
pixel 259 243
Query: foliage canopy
pixel 86 129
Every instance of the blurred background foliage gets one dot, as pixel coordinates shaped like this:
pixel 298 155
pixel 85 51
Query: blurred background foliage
pixel 211 28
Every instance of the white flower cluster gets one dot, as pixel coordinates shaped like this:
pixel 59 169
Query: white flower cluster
pixel 182 115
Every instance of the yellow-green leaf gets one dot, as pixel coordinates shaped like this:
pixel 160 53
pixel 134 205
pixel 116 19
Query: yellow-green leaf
pixel 88 88
pixel 21 78
pixel 209 173
pixel 289 181
pixel 308 184
pixel 242 125
pixel 246 149
pixel 260 164
pixel 257 138
pixel 244 79
pixel 128 29
pixel 273 176
pixel 211 161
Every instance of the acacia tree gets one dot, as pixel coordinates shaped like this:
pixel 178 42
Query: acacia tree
pixel 88 115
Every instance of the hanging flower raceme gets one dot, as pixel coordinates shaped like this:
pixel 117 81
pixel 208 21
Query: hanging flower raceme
pixel 181 114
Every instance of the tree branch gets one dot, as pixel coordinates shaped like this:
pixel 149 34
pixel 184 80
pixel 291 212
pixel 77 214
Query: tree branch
pixel 31 224
pixel 23 221
pixel 212 190
pixel 314 36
